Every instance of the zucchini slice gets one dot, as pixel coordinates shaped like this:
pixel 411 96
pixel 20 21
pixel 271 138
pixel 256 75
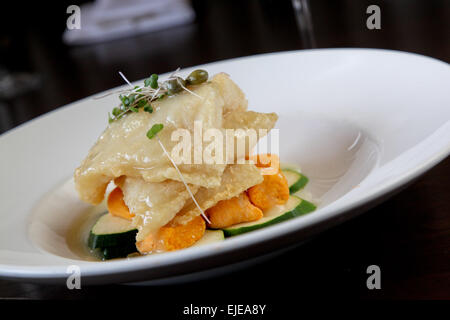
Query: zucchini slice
pixel 210 236
pixel 111 231
pixel 294 207
pixel 295 179
pixel 117 252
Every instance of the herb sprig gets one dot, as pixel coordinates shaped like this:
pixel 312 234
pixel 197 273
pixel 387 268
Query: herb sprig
pixel 141 97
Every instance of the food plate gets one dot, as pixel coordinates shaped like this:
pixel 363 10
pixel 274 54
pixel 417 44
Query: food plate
pixel 361 123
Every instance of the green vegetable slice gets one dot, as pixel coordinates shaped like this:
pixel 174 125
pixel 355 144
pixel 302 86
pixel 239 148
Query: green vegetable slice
pixel 117 252
pixel 111 231
pixel 294 207
pixel 295 179
pixel 210 236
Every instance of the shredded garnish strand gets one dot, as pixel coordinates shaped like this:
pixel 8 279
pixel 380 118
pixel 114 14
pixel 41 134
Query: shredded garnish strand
pixel 126 80
pixel 182 179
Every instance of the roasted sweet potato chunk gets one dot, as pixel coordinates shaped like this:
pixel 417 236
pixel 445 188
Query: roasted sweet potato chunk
pixel 267 163
pixel 174 236
pixel 272 191
pixel 116 205
pixel 233 211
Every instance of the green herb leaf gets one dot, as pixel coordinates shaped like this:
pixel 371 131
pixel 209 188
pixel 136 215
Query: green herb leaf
pixel 125 100
pixel 148 108
pixel 152 81
pixel 116 111
pixel 154 130
pixel 142 103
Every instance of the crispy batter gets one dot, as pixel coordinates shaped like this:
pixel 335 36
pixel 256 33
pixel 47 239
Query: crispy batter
pixel 233 211
pixel 248 127
pixel 249 120
pixel 233 96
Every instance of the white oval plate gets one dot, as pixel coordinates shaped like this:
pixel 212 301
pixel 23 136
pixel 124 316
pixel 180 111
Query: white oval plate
pixel 361 123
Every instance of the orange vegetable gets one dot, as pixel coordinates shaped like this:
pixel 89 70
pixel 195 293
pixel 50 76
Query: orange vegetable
pixel 232 211
pixel 272 191
pixel 116 205
pixel 267 163
pixel 174 236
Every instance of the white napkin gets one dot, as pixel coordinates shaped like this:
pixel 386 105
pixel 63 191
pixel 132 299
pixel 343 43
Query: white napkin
pixel 106 20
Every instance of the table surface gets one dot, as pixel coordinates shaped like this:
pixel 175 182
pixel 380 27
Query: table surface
pixel 408 236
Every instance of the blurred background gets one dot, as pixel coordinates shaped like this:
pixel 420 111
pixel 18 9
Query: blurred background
pixel 40 72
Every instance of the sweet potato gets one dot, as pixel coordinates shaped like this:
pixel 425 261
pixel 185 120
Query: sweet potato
pixel 116 205
pixel 173 236
pixel 268 163
pixel 232 211
pixel 272 191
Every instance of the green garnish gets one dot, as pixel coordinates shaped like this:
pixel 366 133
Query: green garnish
pixel 174 86
pixel 197 76
pixel 148 108
pixel 154 130
pixel 152 81
pixel 142 103
pixel 140 97
pixel 116 111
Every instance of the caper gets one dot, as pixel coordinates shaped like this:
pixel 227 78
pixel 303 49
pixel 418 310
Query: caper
pixel 197 76
pixel 174 86
pixel 154 81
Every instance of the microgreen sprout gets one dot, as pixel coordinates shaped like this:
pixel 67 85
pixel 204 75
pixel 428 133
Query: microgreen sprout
pixel 135 98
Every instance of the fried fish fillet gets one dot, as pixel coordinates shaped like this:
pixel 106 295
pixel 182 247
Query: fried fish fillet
pixel 124 149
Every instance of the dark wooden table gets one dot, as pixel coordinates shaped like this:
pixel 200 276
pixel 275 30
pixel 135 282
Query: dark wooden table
pixel 408 236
